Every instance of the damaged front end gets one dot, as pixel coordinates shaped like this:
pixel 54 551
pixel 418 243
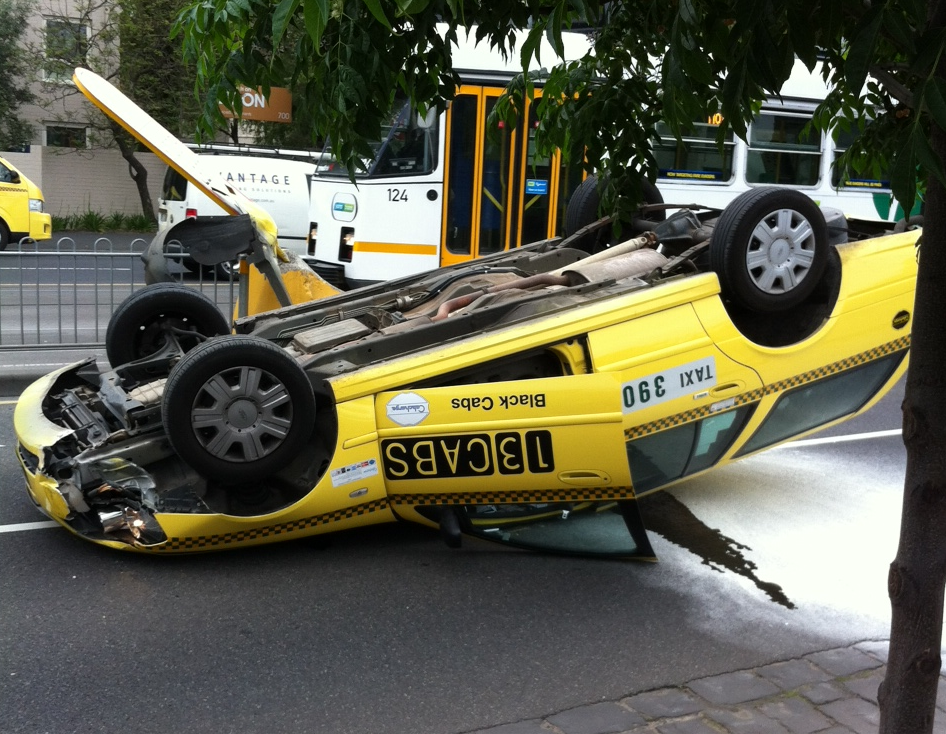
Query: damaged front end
pixel 93 454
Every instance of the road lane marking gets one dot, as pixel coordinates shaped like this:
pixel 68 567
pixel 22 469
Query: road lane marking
pixel 16 527
pixel 839 439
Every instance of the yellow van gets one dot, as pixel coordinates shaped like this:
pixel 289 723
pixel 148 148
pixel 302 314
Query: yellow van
pixel 21 208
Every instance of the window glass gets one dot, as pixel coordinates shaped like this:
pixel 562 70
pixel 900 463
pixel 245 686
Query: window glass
pixel 6 175
pixel 821 402
pixel 461 162
pixel 409 145
pixel 841 179
pixel 781 153
pixel 67 43
pixel 61 136
pixel 535 203
pixel 175 186
pixel 696 157
pixel 662 457
pixel 497 148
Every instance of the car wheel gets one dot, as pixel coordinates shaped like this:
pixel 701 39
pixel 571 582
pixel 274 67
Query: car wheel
pixel 227 271
pixel 190 264
pixel 583 206
pixel 769 249
pixel 4 236
pixel 157 316
pixel 238 409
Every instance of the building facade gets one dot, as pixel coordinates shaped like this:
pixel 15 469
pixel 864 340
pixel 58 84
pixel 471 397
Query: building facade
pixel 72 157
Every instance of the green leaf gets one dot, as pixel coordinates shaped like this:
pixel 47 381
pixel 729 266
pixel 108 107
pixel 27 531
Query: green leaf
pixel 900 30
pixel 934 94
pixel 531 45
pixel 688 13
pixel 316 18
pixel 862 49
pixel 378 12
pixel 282 14
pixel 926 157
pixel 903 175
pixel 554 31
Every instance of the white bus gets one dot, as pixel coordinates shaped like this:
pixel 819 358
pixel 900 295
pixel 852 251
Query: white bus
pixel 777 152
pixel 441 191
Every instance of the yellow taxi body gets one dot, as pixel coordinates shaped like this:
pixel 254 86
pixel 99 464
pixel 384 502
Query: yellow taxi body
pixel 655 384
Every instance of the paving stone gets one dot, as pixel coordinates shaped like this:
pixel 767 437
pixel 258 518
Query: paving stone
pixel 793 674
pixel 796 714
pixel 857 714
pixel 733 688
pixel 844 661
pixel 664 702
pixel 866 686
pixel 941 694
pixel 745 721
pixel 532 726
pixel 598 718
pixel 877 648
pixel 695 725
pixel 823 692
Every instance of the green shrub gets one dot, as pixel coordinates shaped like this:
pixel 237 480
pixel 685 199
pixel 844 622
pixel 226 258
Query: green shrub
pixel 114 221
pixel 139 223
pixel 90 221
pixel 62 223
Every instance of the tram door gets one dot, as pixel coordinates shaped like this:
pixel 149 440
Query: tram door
pixel 499 192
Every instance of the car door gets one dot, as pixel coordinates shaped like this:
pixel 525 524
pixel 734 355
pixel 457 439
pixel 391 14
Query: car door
pixel 549 439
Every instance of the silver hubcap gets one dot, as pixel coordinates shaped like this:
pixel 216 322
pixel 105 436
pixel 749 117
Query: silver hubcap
pixel 781 251
pixel 242 414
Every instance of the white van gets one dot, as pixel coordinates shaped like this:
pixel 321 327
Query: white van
pixel 279 181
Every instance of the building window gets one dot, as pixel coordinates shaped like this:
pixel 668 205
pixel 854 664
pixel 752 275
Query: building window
pixel 63 136
pixel 67 43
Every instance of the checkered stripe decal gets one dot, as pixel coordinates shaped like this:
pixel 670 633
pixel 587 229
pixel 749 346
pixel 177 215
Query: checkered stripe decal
pixel 513 497
pixel 646 429
pixel 206 542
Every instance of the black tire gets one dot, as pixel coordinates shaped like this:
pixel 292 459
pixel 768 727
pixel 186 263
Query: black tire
pixel 583 207
pixel 226 271
pixel 146 321
pixel 4 236
pixel 769 249
pixel 190 264
pixel 238 409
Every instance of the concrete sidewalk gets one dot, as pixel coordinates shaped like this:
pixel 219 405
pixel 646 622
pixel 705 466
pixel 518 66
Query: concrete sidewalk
pixel 831 692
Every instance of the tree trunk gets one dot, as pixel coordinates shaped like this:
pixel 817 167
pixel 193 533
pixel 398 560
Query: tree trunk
pixel 137 171
pixel 918 573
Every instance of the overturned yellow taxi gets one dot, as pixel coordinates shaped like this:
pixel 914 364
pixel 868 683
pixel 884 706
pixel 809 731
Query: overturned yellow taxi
pixel 529 397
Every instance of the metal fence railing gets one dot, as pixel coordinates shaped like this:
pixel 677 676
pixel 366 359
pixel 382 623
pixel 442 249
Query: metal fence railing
pixel 62 293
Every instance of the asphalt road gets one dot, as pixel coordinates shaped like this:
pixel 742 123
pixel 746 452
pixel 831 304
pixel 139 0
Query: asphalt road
pixel 387 631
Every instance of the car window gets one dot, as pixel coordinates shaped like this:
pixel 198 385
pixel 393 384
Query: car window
pixel 6 175
pixel 821 402
pixel 663 457
pixel 782 150
pixel 696 157
pixel 175 186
